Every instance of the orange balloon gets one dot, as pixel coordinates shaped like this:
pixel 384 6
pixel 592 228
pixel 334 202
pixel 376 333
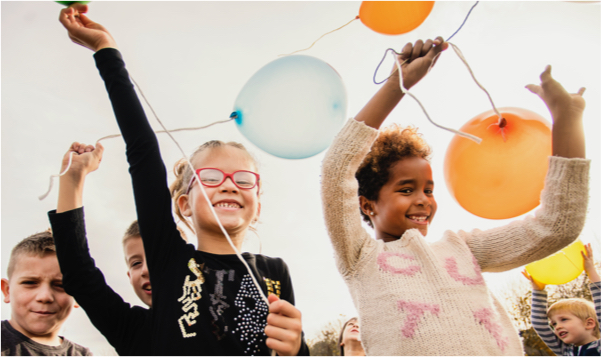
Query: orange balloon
pixel 394 17
pixel 503 176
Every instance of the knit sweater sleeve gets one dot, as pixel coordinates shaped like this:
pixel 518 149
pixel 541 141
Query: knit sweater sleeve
pixel 540 323
pixel 339 194
pixel 555 224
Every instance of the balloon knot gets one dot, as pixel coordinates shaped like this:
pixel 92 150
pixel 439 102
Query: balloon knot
pixel 234 115
pixel 502 123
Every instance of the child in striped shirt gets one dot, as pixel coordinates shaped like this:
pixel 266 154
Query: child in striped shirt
pixel 572 328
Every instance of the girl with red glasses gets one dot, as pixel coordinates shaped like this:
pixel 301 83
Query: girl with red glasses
pixel 204 300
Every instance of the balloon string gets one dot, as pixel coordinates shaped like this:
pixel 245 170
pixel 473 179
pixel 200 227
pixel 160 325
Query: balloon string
pixel 232 117
pixel 458 52
pixel 464 20
pixel 42 197
pixel 405 91
pixel 327 33
pixel 227 236
pixel 390 49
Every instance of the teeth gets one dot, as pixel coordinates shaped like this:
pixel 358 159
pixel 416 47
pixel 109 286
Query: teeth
pixel 418 218
pixel 227 205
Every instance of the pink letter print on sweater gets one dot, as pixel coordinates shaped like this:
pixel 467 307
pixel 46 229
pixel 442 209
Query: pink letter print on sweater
pixel 415 311
pixel 484 317
pixel 383 263
pixel 451 266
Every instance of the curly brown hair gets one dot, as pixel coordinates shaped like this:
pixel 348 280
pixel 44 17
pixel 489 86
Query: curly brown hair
pixel 394 143
pixel 183 173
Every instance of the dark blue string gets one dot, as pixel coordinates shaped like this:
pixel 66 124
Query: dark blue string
pixel 390 49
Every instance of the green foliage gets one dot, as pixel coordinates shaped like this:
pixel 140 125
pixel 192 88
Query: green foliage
pixel 326 342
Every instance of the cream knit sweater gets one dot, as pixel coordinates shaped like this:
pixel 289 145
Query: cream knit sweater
pixel 420 298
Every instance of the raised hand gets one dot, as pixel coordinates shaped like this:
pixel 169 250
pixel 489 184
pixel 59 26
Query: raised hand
pixel 84 31
pixel 536 285
pixel 589 264
pixel 418 58
pixel 84 159
pixel 566 110
pixel 561 104
pixel 284 327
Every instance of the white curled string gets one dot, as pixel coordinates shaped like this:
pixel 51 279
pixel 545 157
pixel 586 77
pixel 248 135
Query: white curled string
pixel 460 55
pixel 42 197
pixel 405 91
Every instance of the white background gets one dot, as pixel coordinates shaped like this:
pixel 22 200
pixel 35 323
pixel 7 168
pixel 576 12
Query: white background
pixel 192 58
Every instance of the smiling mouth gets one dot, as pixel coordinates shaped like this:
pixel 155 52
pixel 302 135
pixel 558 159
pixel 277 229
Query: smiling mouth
pixel 562 334
pixel 227 205
pixel 45 313
pixel 419 219
pixel 146 287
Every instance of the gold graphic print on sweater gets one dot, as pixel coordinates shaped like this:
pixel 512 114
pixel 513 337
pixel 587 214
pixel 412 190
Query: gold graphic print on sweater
pixel 191 294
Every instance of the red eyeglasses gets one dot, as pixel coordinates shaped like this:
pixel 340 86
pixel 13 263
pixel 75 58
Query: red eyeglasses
pixel 212 177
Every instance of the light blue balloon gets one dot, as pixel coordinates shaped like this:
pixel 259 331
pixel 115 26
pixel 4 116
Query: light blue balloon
pixel 292 107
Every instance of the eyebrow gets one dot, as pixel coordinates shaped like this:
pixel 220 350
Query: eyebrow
pixel 412 181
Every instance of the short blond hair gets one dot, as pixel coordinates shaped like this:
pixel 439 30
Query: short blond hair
pixel 38 244
pixel 581 308
pixel 133 231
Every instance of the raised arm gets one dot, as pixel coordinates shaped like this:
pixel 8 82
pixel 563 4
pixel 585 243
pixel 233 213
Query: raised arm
pixel 562 213
pixel 114 318
pixel 416 59
pixel 149 176
pixel 338 184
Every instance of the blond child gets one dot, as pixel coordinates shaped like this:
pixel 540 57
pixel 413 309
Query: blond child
pixel 570 327
pixel 421 298
pixel 39 304
pixel 204 300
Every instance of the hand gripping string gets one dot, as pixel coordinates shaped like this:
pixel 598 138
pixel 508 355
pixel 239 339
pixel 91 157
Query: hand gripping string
pixel 405 91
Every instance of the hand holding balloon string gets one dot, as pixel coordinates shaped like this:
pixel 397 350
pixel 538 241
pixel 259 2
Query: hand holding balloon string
pixel 89 34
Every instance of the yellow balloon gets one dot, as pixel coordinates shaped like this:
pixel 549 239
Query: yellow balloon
pixel 559 268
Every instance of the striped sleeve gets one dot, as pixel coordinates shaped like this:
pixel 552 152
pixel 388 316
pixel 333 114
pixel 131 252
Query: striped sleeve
pixel 540 323
pixel 596 294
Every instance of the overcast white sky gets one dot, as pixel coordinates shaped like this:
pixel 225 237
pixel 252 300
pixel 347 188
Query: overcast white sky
pixel 192 59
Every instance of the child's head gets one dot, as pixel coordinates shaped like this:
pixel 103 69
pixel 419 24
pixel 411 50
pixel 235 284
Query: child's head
pixel 349 331
pixel 135 258
pixel 395 183
pixel 574 321
pixel 34 289
pixel 236 203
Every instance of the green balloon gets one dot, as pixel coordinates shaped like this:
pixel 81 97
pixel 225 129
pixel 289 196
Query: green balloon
pixel 69 3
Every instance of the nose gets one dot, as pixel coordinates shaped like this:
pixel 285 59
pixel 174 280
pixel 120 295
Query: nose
pixel 228 185
pixel 145 270
pixel 45 294
pixel 422 199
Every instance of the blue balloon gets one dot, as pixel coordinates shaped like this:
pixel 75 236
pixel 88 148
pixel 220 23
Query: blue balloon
pixel 292 107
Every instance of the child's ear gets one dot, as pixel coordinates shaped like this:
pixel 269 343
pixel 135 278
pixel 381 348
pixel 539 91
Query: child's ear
pixel 367 206
pixel 589 323
pixel 184 206
pixel 258 212
pixel 5 291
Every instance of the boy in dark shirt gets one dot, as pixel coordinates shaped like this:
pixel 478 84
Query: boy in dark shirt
pixel 39 304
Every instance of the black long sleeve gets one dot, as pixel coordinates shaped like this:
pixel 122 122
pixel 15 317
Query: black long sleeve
pixel 126 327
